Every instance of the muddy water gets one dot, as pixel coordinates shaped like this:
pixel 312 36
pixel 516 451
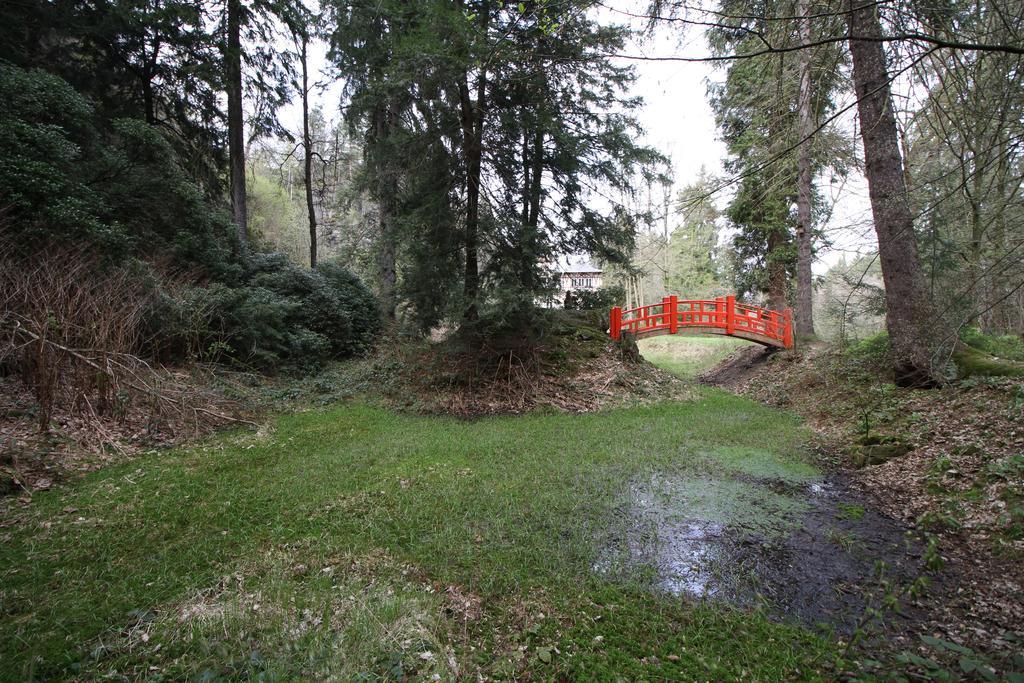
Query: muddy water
pixel 803 551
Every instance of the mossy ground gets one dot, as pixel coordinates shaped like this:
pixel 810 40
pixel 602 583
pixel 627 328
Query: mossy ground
pixel 356 542
pixel 972 362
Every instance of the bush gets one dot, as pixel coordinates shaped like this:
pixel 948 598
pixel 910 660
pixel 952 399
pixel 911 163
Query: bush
pixel 869 355
pixel 67 318
pixel 602 299
pixel 44 129
pixel 357 303
pixel 280 314
pixel 116 185
pixel 872 349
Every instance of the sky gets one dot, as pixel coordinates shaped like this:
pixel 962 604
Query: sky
pixel 678 119
pixel 679 122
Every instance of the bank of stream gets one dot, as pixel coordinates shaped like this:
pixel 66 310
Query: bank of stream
pixel 798 543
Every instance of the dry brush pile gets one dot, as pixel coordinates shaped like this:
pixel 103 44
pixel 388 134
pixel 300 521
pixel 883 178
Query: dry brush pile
pixel 72 339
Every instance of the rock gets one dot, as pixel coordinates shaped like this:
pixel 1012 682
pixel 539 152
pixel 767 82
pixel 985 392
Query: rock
pixel 876 454
pixel 8 483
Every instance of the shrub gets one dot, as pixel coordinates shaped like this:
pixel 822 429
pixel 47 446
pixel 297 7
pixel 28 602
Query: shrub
pixel 116 185
pixel 869 355
pixel 874 349
pixel 68 323
pixel 357 303
pixel 280 314
pixel 601 299
pixel 44 128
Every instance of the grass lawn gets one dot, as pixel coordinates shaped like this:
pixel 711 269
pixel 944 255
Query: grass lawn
pixel 689 355
pixel 356 543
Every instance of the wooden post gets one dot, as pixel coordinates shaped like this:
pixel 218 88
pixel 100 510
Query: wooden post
pixel 720 311
pixel 730 314
pixel 673 311
pixel 787 331
pixel 616 322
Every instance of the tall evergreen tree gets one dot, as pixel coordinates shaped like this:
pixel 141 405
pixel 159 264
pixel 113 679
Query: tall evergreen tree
pixel 768 109
pixel 523 116
pixel 697 269
pixel 908 313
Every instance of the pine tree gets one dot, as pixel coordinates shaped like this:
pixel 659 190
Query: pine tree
pixel 697 269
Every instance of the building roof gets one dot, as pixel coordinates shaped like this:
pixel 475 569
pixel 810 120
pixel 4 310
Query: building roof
pixel 575 263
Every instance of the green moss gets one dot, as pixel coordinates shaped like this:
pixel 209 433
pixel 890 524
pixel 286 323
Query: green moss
pixel 851 511
pixel 871 352
pixel 1007 346
pixel 971 362
pixel 762 464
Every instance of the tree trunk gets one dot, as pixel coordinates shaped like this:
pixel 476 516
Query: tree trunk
pixel 387 188
pixel 804 227
pixel 148 75
pixel 975 268
pixel 907 309
pixel 777 280
pixel 530 242
pixel 387 271
pixel 472 115
pixel 307 145
pixel 527 166
pixel 236 130
pixel 536 182
pixel 149 100
pixel 472 129
pixel 997 290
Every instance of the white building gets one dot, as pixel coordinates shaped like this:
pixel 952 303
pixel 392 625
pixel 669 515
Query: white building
pixel 574 274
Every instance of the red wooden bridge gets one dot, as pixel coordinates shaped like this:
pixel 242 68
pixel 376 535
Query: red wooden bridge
pixel 723 315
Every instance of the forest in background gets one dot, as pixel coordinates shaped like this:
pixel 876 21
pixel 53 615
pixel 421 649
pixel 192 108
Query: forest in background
pixel 792 117
pixel 148 174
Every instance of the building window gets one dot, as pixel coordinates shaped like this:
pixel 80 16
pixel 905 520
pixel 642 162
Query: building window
pixel 572 281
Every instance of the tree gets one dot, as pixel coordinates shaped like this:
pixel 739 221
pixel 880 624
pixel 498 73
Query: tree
pixel 965 168
pixel 302 37
pixel 768 109
pixel 474 117
pixel 696 267
pixel 367 41
pixel 908 314
pixel 236 122
pixel 806 125
pixel 257 25
pixel 153 60
pixel 559 102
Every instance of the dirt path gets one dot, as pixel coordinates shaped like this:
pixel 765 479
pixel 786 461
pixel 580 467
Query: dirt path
pixel 735 370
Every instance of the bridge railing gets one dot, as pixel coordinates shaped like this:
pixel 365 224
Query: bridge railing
pixel 724 313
